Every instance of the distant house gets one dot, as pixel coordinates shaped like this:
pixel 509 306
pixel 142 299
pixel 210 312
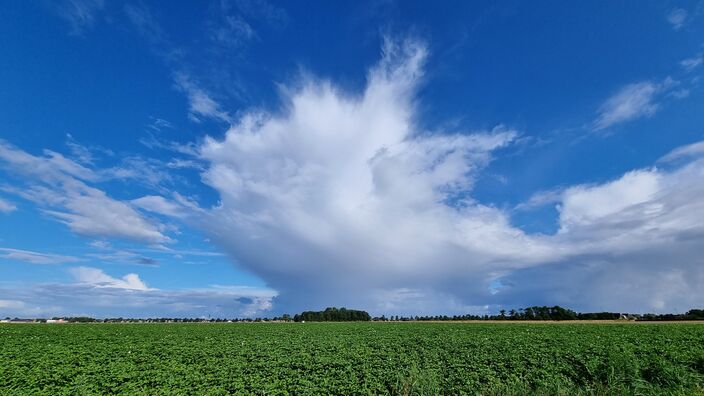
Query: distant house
pixel 55 321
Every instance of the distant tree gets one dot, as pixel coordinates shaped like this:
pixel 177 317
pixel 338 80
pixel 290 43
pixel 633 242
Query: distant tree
pixel 332 314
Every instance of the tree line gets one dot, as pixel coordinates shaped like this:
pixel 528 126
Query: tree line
pixel 551 313
pixel 333 314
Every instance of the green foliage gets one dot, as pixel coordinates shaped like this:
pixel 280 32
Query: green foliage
pixel 352 358
pixel 333 314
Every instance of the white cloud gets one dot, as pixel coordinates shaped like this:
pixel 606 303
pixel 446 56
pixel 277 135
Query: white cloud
pixel 200 103
pixel 677 18
pixel 637 100
pixel 231 31
pixel 17 308
pixel 11 304
pixel 92 213
pixel 97 278
pixel 588 204
pixel 684 152
pixel 179 163
pixel 179 207
pixel 679 94
pixel 692 63
pixel 83 154
pixel 230 26
pixel 123 256
pixel 631 102
pixel 7 206
pixel 342 197
pixel 159 124
pixel 35 257
pixel 147 171
pixel 52 166
pixel 80 152
pixel 97 294
pixel 98 244
pixel 153 143
pixel 80 14
pixel 633 244
pixel 641 209
pixel 58 184
pixel 542 198
pixel 341 200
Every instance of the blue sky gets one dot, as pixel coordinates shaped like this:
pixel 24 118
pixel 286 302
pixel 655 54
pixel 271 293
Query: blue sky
pixel 250 158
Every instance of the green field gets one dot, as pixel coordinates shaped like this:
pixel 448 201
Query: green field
pixel 352 358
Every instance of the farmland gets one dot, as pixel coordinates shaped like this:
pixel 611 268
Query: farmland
pixel 352 358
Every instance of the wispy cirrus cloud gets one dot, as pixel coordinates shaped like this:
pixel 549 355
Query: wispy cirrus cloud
pixel 85 155
pixel 123 256
pixel 147 171
pixel 151 256
pixel 178 207
pixel 201 104
pixel 160 124
pixel 634 101
pixel 80 14
pixel 677 17
pixel 542 198
pixel 692 63
pixel 150 172
pixel 31 257
pixel 684 152
pixel 630 102
pixel 231 25
pixel 7 206
pixel 231 31
pixel 59 186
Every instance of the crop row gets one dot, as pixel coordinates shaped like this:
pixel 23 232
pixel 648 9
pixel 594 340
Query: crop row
pixel 351 358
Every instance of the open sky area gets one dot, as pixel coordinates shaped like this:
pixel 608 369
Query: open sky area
pixel 251 158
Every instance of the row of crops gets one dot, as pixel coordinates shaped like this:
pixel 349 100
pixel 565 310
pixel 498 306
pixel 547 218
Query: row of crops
pixel 352 358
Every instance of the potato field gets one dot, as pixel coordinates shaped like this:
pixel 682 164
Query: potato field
pixel 351 358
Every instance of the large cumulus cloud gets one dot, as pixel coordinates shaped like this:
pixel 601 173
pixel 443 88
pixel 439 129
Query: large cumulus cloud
pixel 342 199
